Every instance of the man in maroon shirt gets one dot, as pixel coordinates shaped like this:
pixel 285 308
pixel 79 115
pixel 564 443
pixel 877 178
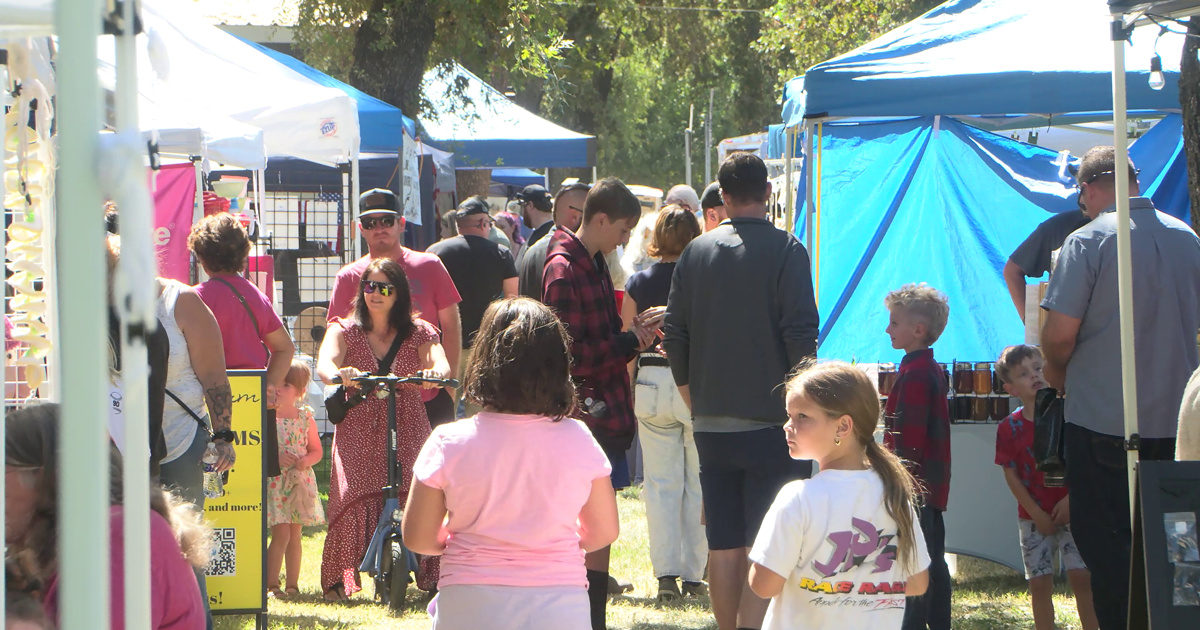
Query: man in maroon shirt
pixel 917 428
pixel 577 285
pixel 434 296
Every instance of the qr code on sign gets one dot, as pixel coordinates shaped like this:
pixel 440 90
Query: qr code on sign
pixel 224 561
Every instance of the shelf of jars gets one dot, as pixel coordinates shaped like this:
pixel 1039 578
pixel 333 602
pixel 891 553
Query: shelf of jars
pixel 975 393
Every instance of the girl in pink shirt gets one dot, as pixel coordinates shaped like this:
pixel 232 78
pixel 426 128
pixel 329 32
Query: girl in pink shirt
pixel 527 489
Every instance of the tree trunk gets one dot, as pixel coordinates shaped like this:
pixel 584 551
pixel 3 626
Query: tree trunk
pixel 471 182
pixel 1189 98
pixel 391 49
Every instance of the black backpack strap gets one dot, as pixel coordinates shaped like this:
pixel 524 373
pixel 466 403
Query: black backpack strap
pixel 193 414
pixel 253 319
pixel 385 364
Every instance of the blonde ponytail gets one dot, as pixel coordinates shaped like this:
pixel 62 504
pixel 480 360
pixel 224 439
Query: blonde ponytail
pixel 899 499
pixel 841 389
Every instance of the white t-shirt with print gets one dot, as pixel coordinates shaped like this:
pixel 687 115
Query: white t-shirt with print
pixel 832 540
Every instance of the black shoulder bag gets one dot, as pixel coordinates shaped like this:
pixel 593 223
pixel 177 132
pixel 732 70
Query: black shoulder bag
pixel 337 403
pixel 1048 428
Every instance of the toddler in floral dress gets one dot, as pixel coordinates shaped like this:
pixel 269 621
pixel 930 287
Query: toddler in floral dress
pixel 292 500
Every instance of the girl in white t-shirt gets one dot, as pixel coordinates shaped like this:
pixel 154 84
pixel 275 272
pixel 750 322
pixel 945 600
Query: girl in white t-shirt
pixel 843 549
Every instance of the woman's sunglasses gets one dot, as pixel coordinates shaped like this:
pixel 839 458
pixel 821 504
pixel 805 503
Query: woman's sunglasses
pixel 370 223
pixel 385 289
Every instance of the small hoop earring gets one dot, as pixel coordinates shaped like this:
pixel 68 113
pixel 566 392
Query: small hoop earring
pixel 837 441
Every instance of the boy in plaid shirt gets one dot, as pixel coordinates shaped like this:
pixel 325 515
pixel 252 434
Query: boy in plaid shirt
pixel 577 285
pixel 1043 514
pixel 917 428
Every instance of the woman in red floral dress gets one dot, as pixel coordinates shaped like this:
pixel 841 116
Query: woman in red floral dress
pixel 352 347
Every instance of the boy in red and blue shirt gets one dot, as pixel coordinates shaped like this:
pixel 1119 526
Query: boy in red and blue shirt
pixel 917 428
pixel 1043 513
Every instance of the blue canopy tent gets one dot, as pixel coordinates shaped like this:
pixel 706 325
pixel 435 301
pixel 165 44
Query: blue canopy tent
pixel 485 129
pixel 380 124
pixel 517 177
pixel 946 63
pixel 988 58
pixel 1164 176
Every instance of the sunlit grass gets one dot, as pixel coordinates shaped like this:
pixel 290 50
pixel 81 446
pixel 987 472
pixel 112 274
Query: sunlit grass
pixel 987 596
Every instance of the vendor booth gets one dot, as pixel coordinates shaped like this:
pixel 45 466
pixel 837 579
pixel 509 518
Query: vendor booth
pixel 949 202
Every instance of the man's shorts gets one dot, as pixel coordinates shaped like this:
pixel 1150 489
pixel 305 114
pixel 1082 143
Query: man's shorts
pixel 740 474
pixel 620 468
pixel 1037 551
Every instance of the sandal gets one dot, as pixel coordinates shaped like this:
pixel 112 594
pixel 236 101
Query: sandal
pixel 276 593
pixel 336 594
pixel 292 591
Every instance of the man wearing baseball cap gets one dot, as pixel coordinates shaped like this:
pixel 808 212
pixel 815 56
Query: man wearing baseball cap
pixel 434 297
pixel 482 270
pixel 712 206
pixel 536 207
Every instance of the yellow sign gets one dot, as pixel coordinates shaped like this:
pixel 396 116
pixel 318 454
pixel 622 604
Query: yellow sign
pixel 236 577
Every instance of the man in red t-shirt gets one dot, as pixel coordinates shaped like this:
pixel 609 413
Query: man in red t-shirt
pixel 1043 513
pixel 434 297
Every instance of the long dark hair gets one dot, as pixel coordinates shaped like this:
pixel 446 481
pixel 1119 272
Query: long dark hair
pixel 31 441
pixel 520 362
pixel 400 319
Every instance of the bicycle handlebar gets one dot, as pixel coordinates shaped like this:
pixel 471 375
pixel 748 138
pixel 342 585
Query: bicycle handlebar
pixel 400 380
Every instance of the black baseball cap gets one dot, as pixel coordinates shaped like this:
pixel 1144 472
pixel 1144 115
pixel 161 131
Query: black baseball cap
pixel 538 196
pixel 711 197
pixel 474 205
pixel 378 201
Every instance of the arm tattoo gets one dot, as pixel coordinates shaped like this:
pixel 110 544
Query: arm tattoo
pixel 220 406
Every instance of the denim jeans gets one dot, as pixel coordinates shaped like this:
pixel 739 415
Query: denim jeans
pixel 678 545
pixel 1097 475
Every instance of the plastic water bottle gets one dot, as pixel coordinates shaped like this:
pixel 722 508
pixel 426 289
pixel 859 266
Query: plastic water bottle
pixel 213 486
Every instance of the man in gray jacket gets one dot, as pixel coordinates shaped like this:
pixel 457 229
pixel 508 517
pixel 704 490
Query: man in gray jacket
pixel 741 315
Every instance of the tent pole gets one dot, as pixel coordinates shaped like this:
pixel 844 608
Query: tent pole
pixel 135 303
pixel 789 144
pixel 594 175
pixel 351 206
pixel 83 459
pixel 1124 261
pixel 355 191
pixel 809 163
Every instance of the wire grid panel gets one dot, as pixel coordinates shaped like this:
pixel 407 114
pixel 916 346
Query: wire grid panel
pixel 309 242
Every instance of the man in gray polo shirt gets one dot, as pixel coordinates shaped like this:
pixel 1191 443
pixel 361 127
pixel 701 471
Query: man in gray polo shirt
pixel 1081 340
pixel 740 316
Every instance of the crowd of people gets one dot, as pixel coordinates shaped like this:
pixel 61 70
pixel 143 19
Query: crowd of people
pixel 766 487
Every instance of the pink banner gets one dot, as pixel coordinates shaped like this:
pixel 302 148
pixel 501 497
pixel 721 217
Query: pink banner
pixel 174 201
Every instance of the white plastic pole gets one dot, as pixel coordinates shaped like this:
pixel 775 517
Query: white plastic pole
pixel 83 370
pixel 135 301
pixel 355 191
pixel 1124 261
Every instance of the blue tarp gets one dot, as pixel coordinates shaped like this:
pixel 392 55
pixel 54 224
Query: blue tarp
pixel 484 129
pixel 902 202
pixel 380 125
pixel 980 57
pixel 1164 176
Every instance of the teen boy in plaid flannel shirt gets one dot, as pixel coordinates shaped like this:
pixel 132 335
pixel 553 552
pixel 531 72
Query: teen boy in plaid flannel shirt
pixel 917 428
pixel 577 285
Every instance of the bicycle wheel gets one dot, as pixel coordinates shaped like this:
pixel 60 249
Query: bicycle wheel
pixel 399 575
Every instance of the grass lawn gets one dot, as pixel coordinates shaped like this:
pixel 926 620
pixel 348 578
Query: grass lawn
pixel 987 596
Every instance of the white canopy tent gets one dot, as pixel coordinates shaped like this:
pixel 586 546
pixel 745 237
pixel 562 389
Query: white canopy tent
pixel 299 118
pixel 185 128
